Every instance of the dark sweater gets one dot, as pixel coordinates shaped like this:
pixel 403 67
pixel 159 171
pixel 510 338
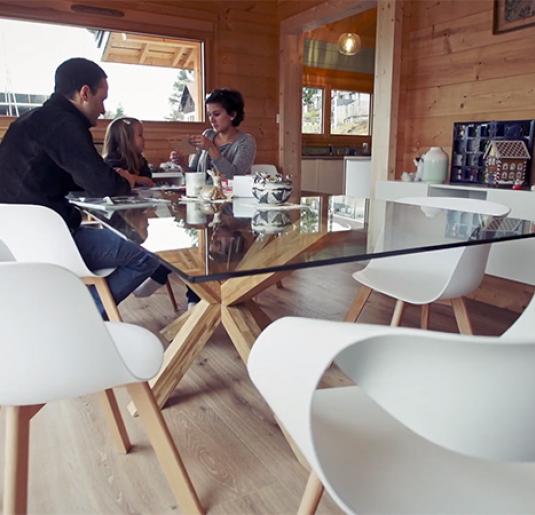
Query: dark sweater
pixel 116 161
pixel 49 152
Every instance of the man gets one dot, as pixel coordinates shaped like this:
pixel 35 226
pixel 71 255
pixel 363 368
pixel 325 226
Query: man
pixel 49 151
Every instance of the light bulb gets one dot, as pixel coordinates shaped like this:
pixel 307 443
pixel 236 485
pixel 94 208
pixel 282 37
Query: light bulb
pixel 349 43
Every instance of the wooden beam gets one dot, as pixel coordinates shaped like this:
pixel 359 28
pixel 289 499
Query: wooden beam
pixel 327 12
pixel 386 89
pixel 291 77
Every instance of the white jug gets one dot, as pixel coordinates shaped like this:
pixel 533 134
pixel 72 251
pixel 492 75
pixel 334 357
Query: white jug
pixel 435 166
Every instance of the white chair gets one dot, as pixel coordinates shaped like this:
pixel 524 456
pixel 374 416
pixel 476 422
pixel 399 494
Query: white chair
pixel 56 346
pixel 436 422
pixel 38 234
pixel 426 277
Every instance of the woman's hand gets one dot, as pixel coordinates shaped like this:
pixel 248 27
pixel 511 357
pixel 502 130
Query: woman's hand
pixel 203 143
pixel 125 174
pixel 141 180
pixel 200 141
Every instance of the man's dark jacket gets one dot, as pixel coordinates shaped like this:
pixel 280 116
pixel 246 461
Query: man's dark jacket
pixel 47 153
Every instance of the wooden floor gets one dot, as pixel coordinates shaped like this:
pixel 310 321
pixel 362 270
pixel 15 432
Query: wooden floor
pixel 236 455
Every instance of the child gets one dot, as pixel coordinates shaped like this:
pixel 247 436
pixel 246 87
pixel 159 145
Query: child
pixel 123 148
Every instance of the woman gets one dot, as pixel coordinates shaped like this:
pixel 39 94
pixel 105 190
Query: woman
pixel 224 147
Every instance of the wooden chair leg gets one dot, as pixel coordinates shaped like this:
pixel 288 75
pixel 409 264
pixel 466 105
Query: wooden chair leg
pixel 424 316
pixel 16 459
pixel 112 413
pixel 358 304
pixel 101 284
pixel 461 315
pixel 116 422
pixel 312 496
pixel 165 448
pixel 398 313
pixel 171 295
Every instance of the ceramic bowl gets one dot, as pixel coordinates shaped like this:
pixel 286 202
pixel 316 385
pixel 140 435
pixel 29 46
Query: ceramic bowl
pixel 270 222
pixel 271 189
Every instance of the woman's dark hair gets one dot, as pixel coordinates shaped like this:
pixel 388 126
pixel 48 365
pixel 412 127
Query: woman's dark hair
pixel 232 102
pixel 74 73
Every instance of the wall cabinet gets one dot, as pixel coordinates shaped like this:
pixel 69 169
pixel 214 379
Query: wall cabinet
pixel 323 175
pixel 510 259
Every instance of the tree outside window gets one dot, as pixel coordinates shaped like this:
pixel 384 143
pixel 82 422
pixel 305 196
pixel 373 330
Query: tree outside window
pixel 312 107
pixel 350 112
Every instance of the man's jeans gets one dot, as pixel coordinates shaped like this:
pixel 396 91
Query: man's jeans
pixel 101 248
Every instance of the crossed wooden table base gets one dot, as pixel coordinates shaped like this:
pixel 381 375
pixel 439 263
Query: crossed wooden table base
pixel 229 302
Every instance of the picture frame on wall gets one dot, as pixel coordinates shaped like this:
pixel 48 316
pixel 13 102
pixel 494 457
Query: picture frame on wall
pixel 513 15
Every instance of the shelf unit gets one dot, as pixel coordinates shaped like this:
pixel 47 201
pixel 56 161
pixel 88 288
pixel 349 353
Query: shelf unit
pixel 470 140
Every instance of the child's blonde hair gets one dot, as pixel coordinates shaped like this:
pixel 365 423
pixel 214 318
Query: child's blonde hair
pixel 118 142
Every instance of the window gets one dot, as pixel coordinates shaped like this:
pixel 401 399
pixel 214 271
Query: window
pixel 350 112
pixel 150 77
pixel 312 121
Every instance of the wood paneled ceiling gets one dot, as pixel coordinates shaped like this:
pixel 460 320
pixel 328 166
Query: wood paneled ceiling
pixel 131 48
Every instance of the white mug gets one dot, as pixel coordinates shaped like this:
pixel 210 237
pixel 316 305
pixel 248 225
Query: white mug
pixel 194 183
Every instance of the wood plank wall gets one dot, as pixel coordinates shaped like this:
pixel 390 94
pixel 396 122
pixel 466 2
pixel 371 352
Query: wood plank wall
pixel 242 53
pixel 455 69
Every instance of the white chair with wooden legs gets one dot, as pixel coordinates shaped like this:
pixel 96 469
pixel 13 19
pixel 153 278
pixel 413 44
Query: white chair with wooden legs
pixel 38 234
pixel 55 346
pixel 426 277
pixel 435 422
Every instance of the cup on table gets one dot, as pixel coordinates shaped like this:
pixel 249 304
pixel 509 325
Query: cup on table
pixel 194 214
pixel 195 181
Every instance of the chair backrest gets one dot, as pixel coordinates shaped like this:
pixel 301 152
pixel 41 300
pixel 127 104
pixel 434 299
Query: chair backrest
pixel 5 253
pixel 461 268
pixel 473 395
pixel 38 234
pixel 54 344
pixel 272 169
pixel 468 205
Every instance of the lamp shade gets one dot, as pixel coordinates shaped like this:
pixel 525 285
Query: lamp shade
pixel 349 43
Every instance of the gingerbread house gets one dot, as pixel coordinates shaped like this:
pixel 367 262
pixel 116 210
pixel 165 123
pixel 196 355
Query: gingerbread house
pixel 506 163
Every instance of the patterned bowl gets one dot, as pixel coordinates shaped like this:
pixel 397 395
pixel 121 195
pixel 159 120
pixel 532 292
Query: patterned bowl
pixel 271 189
pixel 270 222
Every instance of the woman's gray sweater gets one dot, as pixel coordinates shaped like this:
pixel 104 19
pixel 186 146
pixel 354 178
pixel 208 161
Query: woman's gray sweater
pixel 236 157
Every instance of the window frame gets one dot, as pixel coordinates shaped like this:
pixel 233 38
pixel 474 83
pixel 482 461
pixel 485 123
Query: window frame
pixel 370 112
pixel 182 28
pixel 327 106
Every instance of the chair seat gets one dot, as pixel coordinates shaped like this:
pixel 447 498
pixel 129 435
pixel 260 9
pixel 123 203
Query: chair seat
pixel 103 272
pixel 141 351
pixel 383 467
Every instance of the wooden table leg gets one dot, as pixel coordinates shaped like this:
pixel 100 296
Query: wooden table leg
pixel 242 328
pixel 189 341
pixel 170 331
pixel 262 319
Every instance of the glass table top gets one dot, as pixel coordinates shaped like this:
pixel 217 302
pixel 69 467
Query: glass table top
pixel 216 241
